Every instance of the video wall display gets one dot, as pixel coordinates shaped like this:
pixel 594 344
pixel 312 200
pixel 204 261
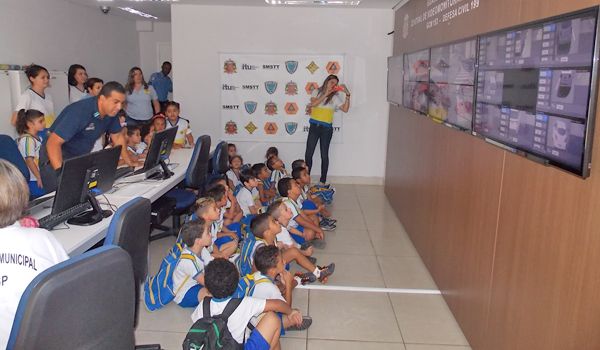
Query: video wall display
pixel 533 89
pixel 452 76
pixel 416 81
pixel 395 79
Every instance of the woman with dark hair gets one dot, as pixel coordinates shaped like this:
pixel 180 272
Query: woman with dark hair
pixel 142 101
pixel 77 76
pixel 35 97
pixel 324 102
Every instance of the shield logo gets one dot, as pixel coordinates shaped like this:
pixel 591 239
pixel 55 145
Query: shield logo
pixel 291 127
pixel 271 86
pixel 250 106
pixel 291 66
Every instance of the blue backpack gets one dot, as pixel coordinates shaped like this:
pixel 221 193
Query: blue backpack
pixel 158 289
pixel 247 285
pixel 244 262
pixel 323 192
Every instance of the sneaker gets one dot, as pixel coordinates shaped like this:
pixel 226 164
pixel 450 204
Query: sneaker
pixel 306 245
pixel 330 227
pixel 306 278
pixel 328 221
pixel 312 259
pixel 306 322
pixel 326 271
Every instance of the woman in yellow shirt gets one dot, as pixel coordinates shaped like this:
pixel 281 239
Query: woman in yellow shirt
pixel 324 102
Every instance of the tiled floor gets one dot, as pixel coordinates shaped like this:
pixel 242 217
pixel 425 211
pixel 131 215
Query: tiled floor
pixel 370 249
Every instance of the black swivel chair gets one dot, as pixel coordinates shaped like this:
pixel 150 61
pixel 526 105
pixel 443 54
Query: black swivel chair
pixel 185 196
pixel 130 230
pixel 219 159
pixel 86 302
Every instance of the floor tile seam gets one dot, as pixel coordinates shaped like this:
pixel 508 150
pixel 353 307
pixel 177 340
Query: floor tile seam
pixel 357 341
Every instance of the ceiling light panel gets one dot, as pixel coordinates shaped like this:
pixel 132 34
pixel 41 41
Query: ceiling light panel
pixel 138 12
pixel 314 2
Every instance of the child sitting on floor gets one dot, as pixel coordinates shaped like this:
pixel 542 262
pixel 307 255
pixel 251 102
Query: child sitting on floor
pixel 308 226
pixel 248 196
pixel 310 207
pixel 233 174
pixel 270 267
pixel 188 276
pixel 278 172
pixel 319 193
pixel 221 279
pixel 266 189
pixel 233 212
pixel 223 244
pixel 219 194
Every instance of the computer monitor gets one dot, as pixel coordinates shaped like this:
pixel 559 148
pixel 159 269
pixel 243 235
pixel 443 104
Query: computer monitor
pixel 81 179
pixel 159 151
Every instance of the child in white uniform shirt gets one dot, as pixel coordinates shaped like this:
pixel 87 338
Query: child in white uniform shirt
pixel 248 196
pixel 188 276
pixel 224 244
pixel 221 279
pixel 26 251
pixel 233 174
pixel 36 97
pixel 184 132
pixel 29 124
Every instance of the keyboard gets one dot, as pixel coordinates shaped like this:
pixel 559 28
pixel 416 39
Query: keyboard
pixel 49 221
pixel 124 171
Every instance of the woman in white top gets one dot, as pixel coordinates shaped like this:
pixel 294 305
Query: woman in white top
pixel 35 97
pixel 142 101
pixel 77 77
pixel 324 102
pixel 26 250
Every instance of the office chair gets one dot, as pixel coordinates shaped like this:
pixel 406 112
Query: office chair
pixel 219 159
pixel 86 302
pixel 185 195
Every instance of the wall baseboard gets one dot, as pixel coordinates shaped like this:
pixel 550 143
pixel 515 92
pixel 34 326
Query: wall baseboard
pixel 352 180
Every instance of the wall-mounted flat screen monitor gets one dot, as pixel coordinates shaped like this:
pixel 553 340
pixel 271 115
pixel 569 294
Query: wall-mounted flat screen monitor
pixel 452 76
pixel 395 78
pixel 416 81
pixel 536 89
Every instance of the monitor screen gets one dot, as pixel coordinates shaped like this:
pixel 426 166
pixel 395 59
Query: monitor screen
pixel 533 89
pixel 416 64
pixel 416 96
pixel 415 93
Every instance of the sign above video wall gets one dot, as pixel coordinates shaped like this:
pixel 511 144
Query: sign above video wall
pixel 266 97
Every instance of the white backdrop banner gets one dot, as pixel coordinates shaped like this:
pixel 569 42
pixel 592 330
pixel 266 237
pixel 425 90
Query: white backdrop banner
pixel 265 97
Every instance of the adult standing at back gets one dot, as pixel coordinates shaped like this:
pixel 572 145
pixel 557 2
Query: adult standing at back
pixel 35 97
pixel 78 127
pixel 142 101
pixel 324 102
pixel 162 83
pixel 77 77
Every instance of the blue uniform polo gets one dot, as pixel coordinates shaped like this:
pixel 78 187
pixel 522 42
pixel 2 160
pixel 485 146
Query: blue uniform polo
pixel 80 125
pixel 162 84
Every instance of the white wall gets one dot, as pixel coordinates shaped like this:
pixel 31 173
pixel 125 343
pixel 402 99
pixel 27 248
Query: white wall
pixel 57 33
pixel 200 32
pixel 148 42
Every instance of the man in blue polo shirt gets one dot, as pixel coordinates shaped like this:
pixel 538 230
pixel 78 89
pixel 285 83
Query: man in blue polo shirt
pixel 162 84
pixel 78 127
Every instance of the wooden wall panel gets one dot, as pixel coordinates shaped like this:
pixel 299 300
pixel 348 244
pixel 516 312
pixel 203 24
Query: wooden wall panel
pixel 513 245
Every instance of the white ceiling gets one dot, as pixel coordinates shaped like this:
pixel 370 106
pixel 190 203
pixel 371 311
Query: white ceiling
pixel 162 10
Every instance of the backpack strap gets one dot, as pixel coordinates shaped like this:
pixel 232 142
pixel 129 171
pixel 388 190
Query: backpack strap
pixel 206 307
pixel 232 305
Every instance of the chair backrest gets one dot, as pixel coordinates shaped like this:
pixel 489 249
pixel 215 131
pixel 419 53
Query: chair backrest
pixel 10 152
pixel 220 159
pixel 86 302
pixel 130 230
pixel 197 170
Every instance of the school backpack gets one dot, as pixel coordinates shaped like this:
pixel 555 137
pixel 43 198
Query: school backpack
pixel 323 192
pixel 211 332
pixel 244 263
pixel 158 289
pixel 247 285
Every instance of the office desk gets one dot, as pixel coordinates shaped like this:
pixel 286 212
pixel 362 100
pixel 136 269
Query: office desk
pixel 78 239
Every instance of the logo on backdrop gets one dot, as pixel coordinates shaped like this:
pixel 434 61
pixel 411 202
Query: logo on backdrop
pixel 248 66
pixel 271 86
pixel 291 88
pixel 229 87
pixel 251 128
pixel 291 108
pixel 229 67
pixel 271 128
pixel 249 87
pixel 291 66
pixel 231 107
pixel 270 66
pixel 312 67
pixel 250 106
pixel 231 128
pixel 270 108
pixel 333 67
pixel 310 87
pixel 291 128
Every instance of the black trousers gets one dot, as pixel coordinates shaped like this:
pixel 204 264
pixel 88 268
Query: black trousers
pixel 322 135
